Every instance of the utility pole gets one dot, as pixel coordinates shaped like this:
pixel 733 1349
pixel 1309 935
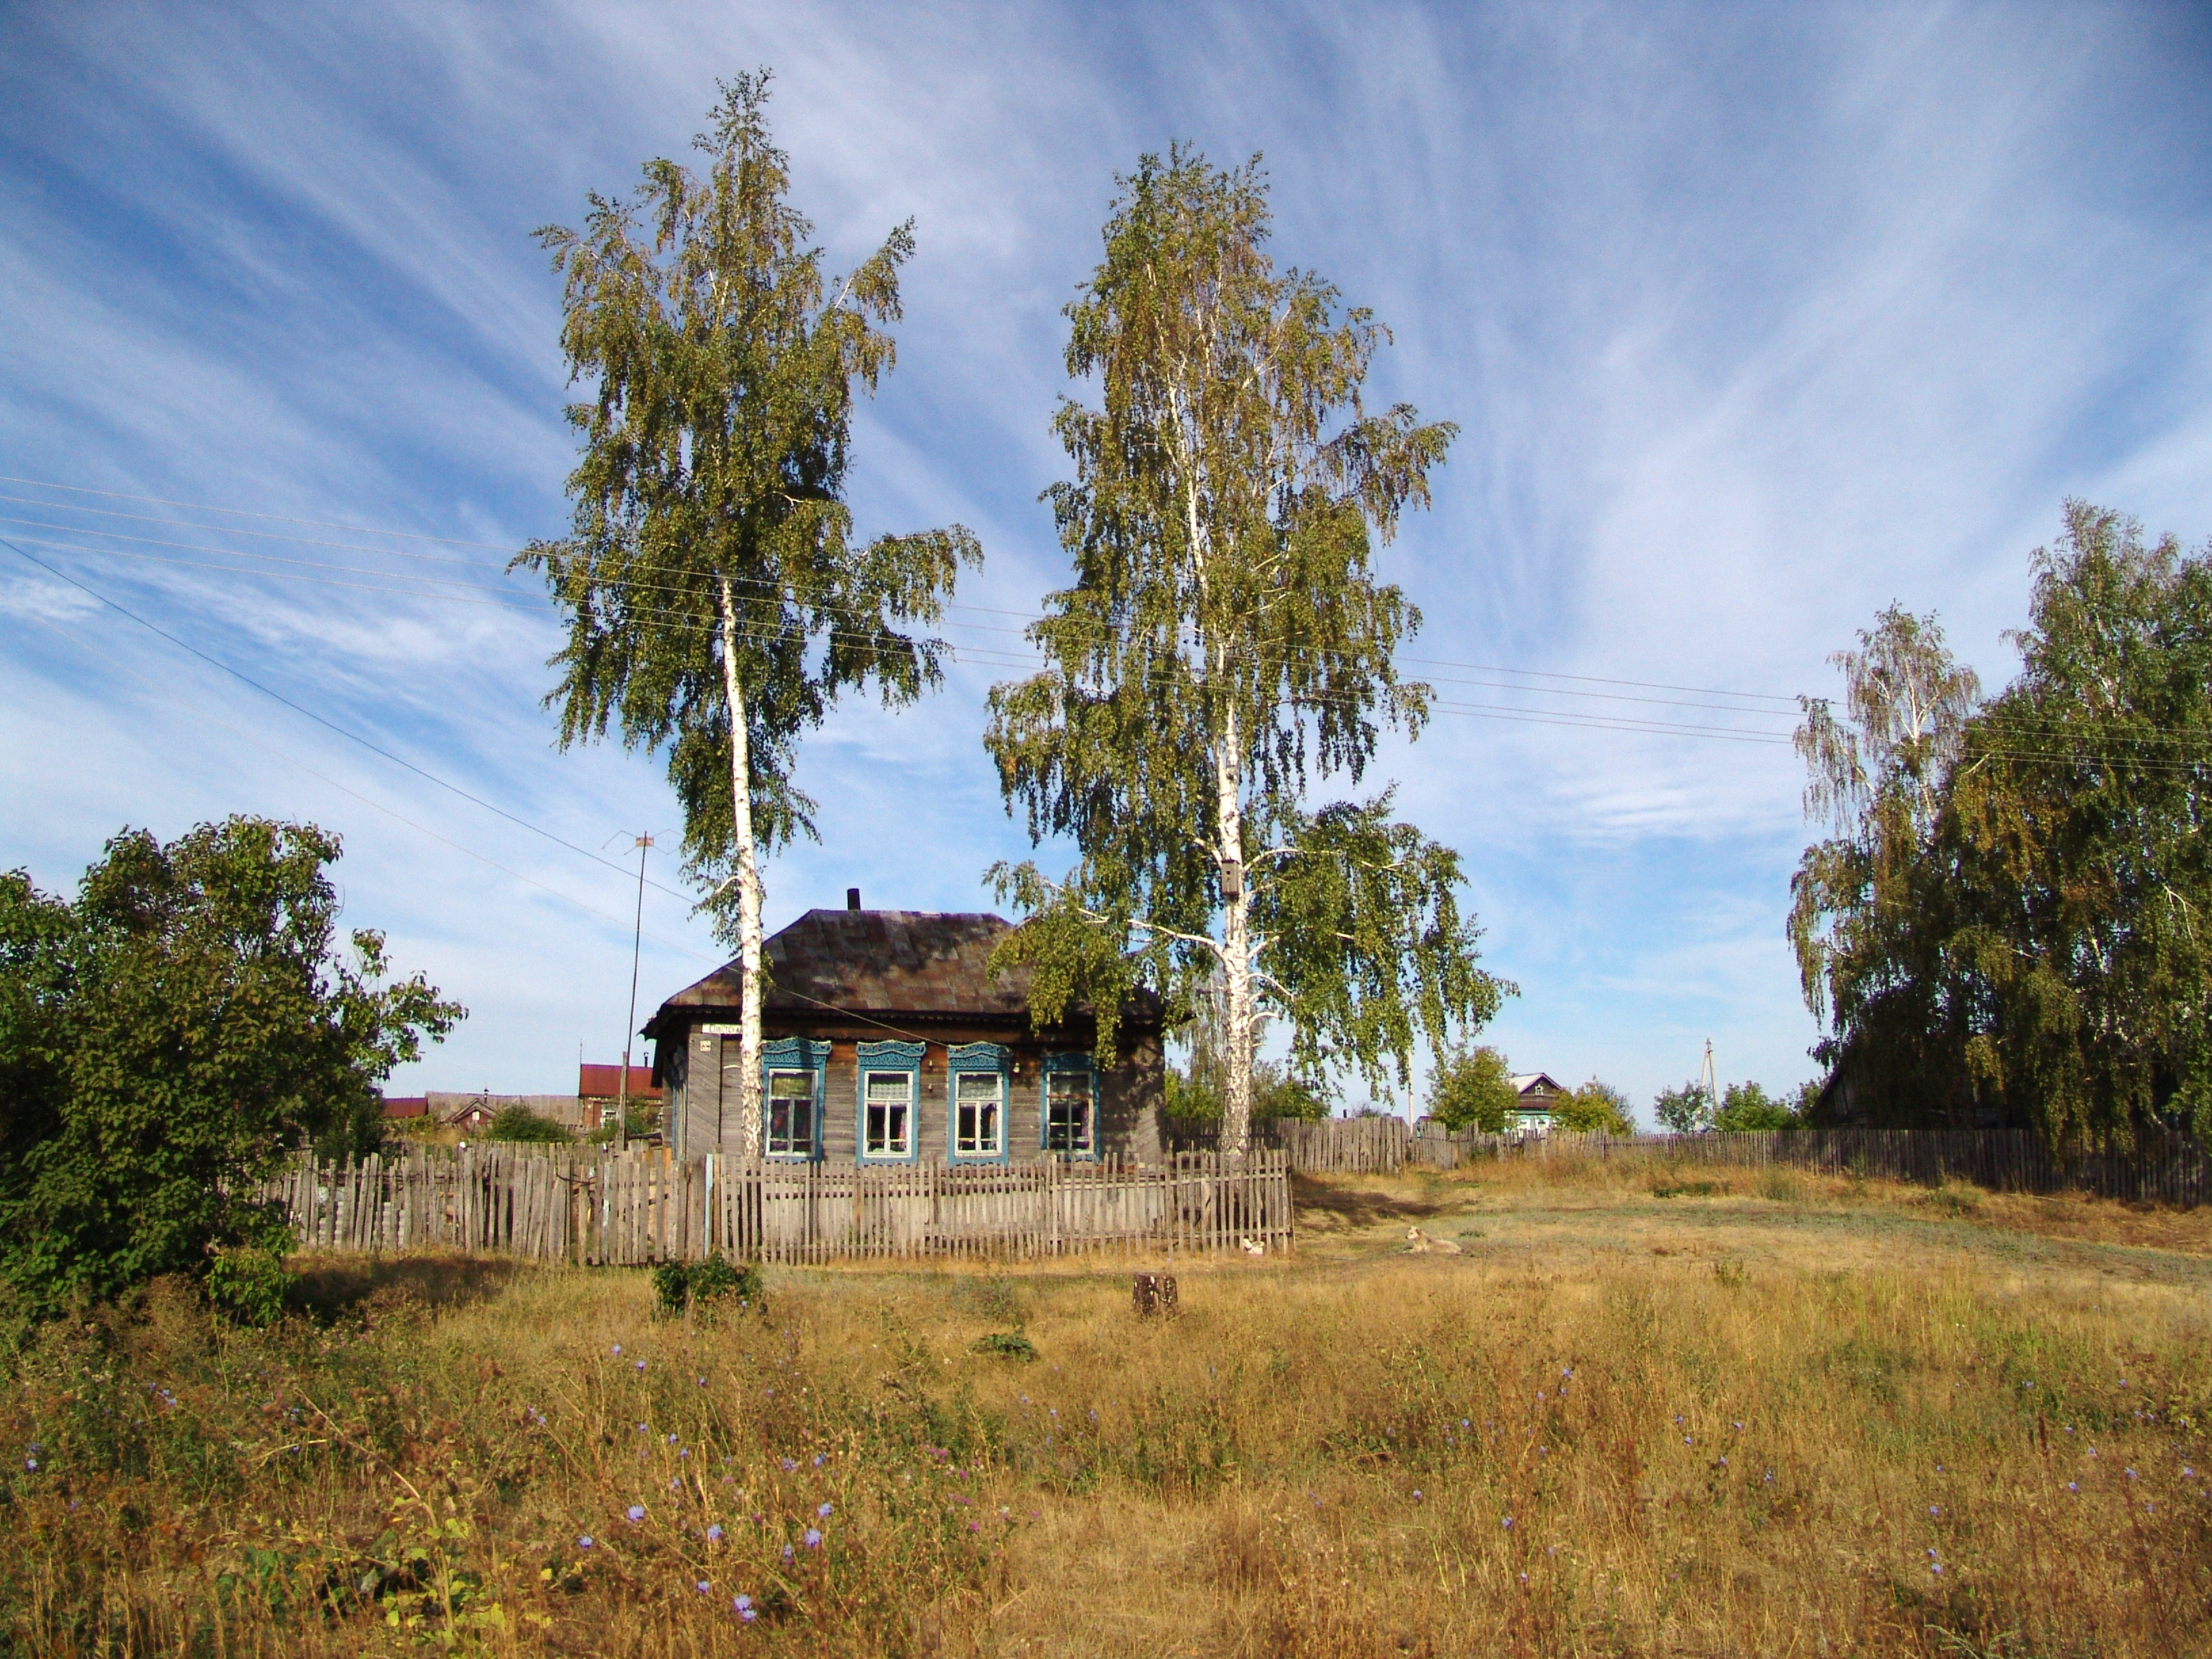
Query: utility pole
pixel 636 949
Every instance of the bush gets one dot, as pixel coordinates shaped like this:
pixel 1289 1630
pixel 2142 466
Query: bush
pixel 641 1122
pixel 250 1284
pixel 168 1036
pixel 1472 1088
pixel 712 1285
pixel 1748 1108
pixel 519 1123
pixel 1596 1108
pixel 1007 1345
pixel 1683 1110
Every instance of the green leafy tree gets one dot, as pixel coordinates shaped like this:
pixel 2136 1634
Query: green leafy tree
pixel 1225 642
pixel 168 1036
pixel 2079 938
pixel 1686 1111
pixel 717 603
pixel 1472 1088
pixel 2010 925
pixel 1594 1109
pixel 1872 904
pixel 1746 1108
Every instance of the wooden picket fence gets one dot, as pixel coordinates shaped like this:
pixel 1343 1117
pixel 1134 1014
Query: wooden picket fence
pixel 2161 1168
pixel 622 1209
pixel 1337 1145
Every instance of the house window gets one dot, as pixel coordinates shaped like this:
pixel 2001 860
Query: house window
pixel 890 1103
pixel 791 1113
pixel 889 1098
pixel 1070 1107
pixel 978 1123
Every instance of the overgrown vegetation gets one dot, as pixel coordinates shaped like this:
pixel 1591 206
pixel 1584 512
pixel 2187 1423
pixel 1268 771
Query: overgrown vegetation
pixel 1473 1088
pixel 1721 1440
pixel 2007 923
pixel 519 1123
pixel 165 1038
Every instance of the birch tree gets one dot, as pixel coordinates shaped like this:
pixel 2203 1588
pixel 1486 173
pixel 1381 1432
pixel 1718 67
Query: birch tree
pixel 1224 643
pixel 717 603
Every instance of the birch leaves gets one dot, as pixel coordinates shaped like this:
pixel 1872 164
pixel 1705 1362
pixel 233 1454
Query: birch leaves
pixel 1224 643
pixel 716 603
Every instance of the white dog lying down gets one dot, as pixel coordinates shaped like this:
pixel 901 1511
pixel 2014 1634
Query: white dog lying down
pixel 1419 1243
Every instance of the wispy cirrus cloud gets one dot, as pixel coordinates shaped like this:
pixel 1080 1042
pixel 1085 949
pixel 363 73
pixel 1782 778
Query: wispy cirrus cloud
pixel 1751 322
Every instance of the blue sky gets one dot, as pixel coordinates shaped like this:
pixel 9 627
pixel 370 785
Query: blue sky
pixel 1754 319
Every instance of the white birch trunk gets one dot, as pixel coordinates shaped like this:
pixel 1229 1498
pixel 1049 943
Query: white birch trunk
pixel 1238 1023
pixel 751 1142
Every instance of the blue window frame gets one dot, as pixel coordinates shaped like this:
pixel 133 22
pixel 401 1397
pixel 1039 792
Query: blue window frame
pixel 890 1102
pixel 793 1074
pixel 1069 1120
pixel 976 1104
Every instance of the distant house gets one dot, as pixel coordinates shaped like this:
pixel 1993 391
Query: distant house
pixel 399 1107
pixel 1537 1107
pixel 598 1089
pixel 472 1114
pixel 887 1040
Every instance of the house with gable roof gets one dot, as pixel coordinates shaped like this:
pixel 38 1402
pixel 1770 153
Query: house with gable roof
pixel 1536 1110
pixel 887 1040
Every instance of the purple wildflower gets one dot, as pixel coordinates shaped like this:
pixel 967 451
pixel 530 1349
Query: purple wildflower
pixel 714 1532
pixel 585 1542
pixel 823 1511
pixel 813 1538
pixel 637 1513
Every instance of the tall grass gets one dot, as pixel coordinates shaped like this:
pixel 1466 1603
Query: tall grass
pixel 1955 1453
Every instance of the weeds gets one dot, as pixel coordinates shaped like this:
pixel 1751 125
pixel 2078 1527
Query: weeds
pixel 1941 1454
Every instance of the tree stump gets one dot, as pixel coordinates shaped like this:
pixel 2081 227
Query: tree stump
pixel 1154 1294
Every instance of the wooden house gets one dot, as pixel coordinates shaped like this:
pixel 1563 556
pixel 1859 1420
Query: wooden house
pixel 599 1090
pixel 887 1040
pixel 1537 1106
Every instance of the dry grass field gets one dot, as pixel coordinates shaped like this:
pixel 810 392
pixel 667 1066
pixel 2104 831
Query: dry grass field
pixel 1644 1410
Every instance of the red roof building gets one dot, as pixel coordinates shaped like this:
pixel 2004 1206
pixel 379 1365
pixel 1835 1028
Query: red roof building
pixel 604 1083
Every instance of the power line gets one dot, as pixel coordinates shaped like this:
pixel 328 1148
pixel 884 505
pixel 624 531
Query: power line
pixel 539 605
pixel 353 737
pixel 269 749
pixel 1510 713
pixel 474 593
pixel 1027 616
pixel 1495 711
pixel 240 513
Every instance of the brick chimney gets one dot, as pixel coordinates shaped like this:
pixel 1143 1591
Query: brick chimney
pixel 852 898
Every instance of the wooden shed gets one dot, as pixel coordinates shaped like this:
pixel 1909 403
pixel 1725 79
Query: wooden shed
pixel 887 1040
